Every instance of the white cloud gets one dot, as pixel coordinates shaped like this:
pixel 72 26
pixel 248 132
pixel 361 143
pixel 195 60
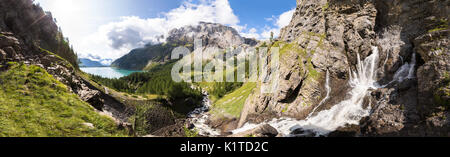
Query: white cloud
pixel 115 39
pixel 252 33
pixel 285 18
pixel 268 31
pixel 281 21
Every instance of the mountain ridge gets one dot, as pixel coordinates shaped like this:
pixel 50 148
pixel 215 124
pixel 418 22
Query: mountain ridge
pixel 86 62
pixel 211 34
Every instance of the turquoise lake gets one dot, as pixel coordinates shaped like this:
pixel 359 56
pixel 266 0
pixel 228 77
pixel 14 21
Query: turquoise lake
pixel 108 72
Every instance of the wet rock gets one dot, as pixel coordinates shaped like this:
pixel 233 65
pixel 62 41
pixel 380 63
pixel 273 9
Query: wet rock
pixel 260 118
pixel 407 84
pixel 347 131
pixel 385 119
pixel 261 131
pixel 303 133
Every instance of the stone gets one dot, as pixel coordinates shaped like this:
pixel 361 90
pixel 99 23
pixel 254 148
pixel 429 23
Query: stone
pixel 261 131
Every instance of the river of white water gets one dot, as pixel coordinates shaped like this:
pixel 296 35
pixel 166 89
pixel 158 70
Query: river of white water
pixel 199 118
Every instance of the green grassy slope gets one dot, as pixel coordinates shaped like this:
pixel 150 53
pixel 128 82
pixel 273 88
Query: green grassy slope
pixel 232 104
pixel 33 103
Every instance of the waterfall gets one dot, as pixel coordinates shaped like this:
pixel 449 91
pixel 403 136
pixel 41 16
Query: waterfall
pixel 349 111
pixel 328 89
pixel 412 67
pixel 406 71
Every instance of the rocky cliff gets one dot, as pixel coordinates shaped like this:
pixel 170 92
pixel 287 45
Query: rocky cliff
pixel 211 34
pixel 34 26
pixel 329 35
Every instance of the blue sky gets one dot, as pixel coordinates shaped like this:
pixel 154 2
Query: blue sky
pixel 255 12
pixel 111 28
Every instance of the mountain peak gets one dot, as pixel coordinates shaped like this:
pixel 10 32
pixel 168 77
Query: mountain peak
pixel 213 34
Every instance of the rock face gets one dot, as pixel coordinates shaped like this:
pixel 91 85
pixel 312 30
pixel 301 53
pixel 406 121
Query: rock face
pixel 211 34
pixel 328 35
pixel 433 75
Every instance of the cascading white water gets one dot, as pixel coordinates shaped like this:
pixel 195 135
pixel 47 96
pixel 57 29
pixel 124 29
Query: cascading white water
pixel 328 89
pixel 406 71
pixel 349 111
pixel 412 67
pixel 199 117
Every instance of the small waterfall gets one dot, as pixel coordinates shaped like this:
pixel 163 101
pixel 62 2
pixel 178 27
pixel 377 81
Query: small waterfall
pixel 412 66
pixel 328 89
pixel 406 71
pixel 199 117
pixel 349 111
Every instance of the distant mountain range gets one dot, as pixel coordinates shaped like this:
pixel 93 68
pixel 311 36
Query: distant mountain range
pixel 211 34
pixel 86 62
